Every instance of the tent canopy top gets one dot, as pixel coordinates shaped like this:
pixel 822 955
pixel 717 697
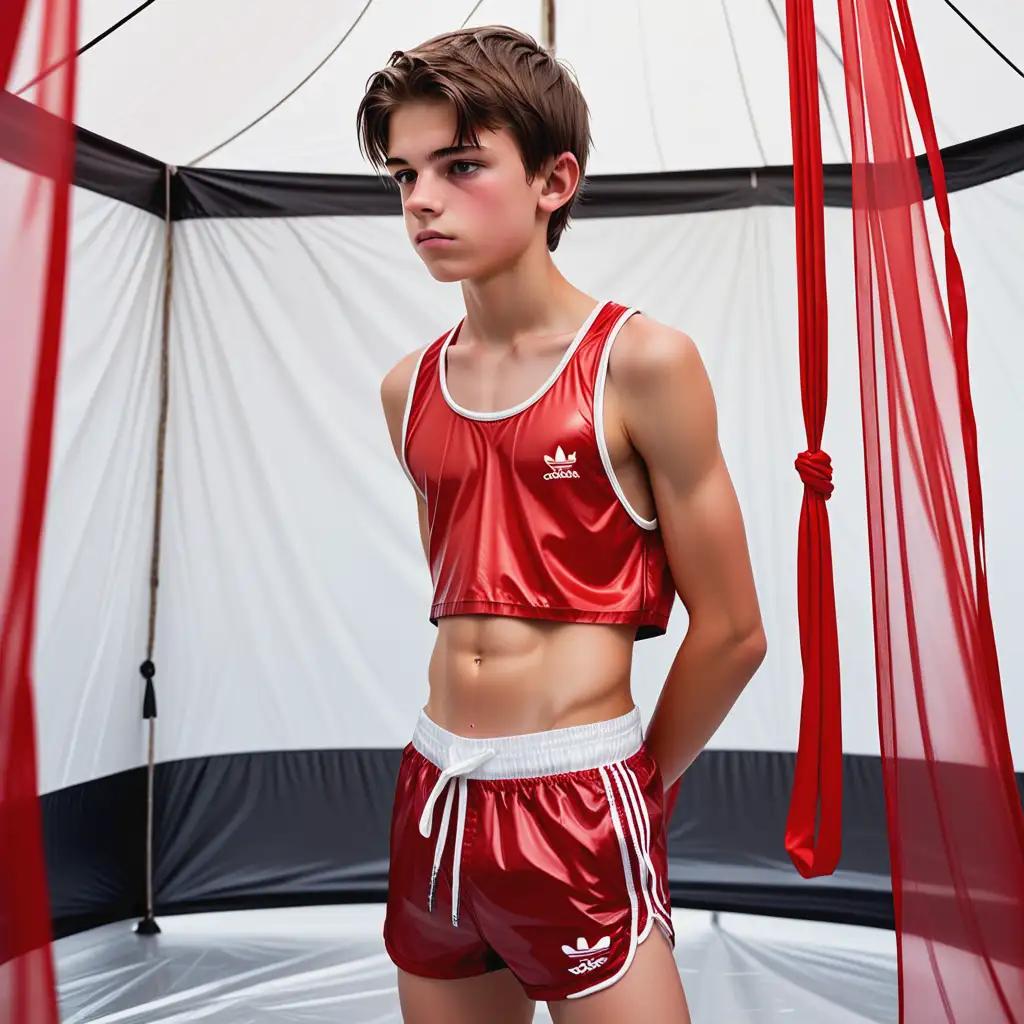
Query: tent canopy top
pixel 671 87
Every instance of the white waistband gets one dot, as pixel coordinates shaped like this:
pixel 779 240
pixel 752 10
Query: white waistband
pixel 575 749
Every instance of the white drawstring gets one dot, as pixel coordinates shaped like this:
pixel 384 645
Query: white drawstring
pixel 460 833
pixel 439 848
pixel 459 769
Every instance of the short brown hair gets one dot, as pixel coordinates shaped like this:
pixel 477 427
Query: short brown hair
pixel 494 77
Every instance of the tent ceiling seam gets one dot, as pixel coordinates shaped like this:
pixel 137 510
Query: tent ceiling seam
pixel 105 34
pixel 743 84
pixel 476 7
pixel 829 48
pixel 284 99
pixel 984 38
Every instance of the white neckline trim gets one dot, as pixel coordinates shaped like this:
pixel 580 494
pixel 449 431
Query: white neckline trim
pixel 502 414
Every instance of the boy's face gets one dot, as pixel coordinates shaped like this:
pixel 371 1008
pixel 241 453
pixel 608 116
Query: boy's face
pixel 476 198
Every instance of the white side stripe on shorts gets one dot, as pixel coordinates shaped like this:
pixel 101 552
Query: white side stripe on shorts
pixel 633 833
pixel 634 908
pixel 639 806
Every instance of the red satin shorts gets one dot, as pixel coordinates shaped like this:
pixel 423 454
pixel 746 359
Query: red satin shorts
pixel 554 865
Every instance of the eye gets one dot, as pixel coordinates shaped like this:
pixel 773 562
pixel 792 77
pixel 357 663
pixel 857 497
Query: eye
pixel 460 168
pixel 402 179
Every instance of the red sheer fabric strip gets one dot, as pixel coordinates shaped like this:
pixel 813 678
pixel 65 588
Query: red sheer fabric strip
pixel 814 825
pixel 33 253
pixel 956 829
pixel 12 14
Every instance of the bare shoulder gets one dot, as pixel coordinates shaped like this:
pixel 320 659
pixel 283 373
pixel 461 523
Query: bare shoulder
pixel 394 388
pixel 394 394
pixel 651 358
pixel 664 400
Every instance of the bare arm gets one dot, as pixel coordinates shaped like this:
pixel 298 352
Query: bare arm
pixel 394 392
pixel 668 411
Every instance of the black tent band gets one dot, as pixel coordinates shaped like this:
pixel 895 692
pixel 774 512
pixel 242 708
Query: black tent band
pixel 121 173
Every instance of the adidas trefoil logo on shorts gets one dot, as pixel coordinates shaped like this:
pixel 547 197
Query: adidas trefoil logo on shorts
pixel 589 957
pixel 561 466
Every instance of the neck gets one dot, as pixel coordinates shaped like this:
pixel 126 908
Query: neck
pixel 528 297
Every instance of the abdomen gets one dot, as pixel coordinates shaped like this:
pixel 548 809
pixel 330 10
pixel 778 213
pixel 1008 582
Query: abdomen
pixel 504 676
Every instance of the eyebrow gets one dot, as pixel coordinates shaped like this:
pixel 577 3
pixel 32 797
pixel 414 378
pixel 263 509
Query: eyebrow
pixel 438 154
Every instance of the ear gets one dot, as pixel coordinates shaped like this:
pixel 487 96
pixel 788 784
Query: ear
pixel 559 179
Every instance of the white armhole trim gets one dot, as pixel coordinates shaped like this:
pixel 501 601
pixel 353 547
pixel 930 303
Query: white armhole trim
pixel 602 441
pixel 405 422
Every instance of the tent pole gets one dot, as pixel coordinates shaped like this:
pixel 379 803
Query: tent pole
pixel 547 21
pixel 148 925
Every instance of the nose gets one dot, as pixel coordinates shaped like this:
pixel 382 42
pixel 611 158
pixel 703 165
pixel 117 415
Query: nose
pixel 424 198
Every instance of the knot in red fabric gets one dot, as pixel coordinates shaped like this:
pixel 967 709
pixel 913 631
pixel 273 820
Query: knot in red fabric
pixel 815 469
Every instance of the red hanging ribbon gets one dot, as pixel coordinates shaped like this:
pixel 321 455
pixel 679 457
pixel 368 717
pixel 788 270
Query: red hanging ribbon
pixel 12 13
pixel 956 830
pixel 35 176
pixel 910 58
pixel 814 825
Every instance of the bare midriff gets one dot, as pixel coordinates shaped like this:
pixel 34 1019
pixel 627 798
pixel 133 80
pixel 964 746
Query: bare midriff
pixel 492 676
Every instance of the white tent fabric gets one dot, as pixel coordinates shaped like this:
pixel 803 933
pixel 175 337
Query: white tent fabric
pixel 94 578
pixel 708 79
pixel 291 559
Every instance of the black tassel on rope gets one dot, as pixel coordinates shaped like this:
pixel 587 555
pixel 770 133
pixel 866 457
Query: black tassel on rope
pixel 148 670
pixel 148 925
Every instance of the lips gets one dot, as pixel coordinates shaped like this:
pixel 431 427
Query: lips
pixel 426 236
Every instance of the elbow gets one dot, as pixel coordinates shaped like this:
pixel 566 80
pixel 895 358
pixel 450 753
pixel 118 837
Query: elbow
pixel 740 642
pixel 757 645
pixel 751 647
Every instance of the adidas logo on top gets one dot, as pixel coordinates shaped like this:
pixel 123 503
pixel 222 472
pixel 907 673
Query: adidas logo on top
pixel 561 466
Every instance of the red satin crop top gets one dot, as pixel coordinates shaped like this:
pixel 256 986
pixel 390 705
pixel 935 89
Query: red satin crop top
pixel 525 515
